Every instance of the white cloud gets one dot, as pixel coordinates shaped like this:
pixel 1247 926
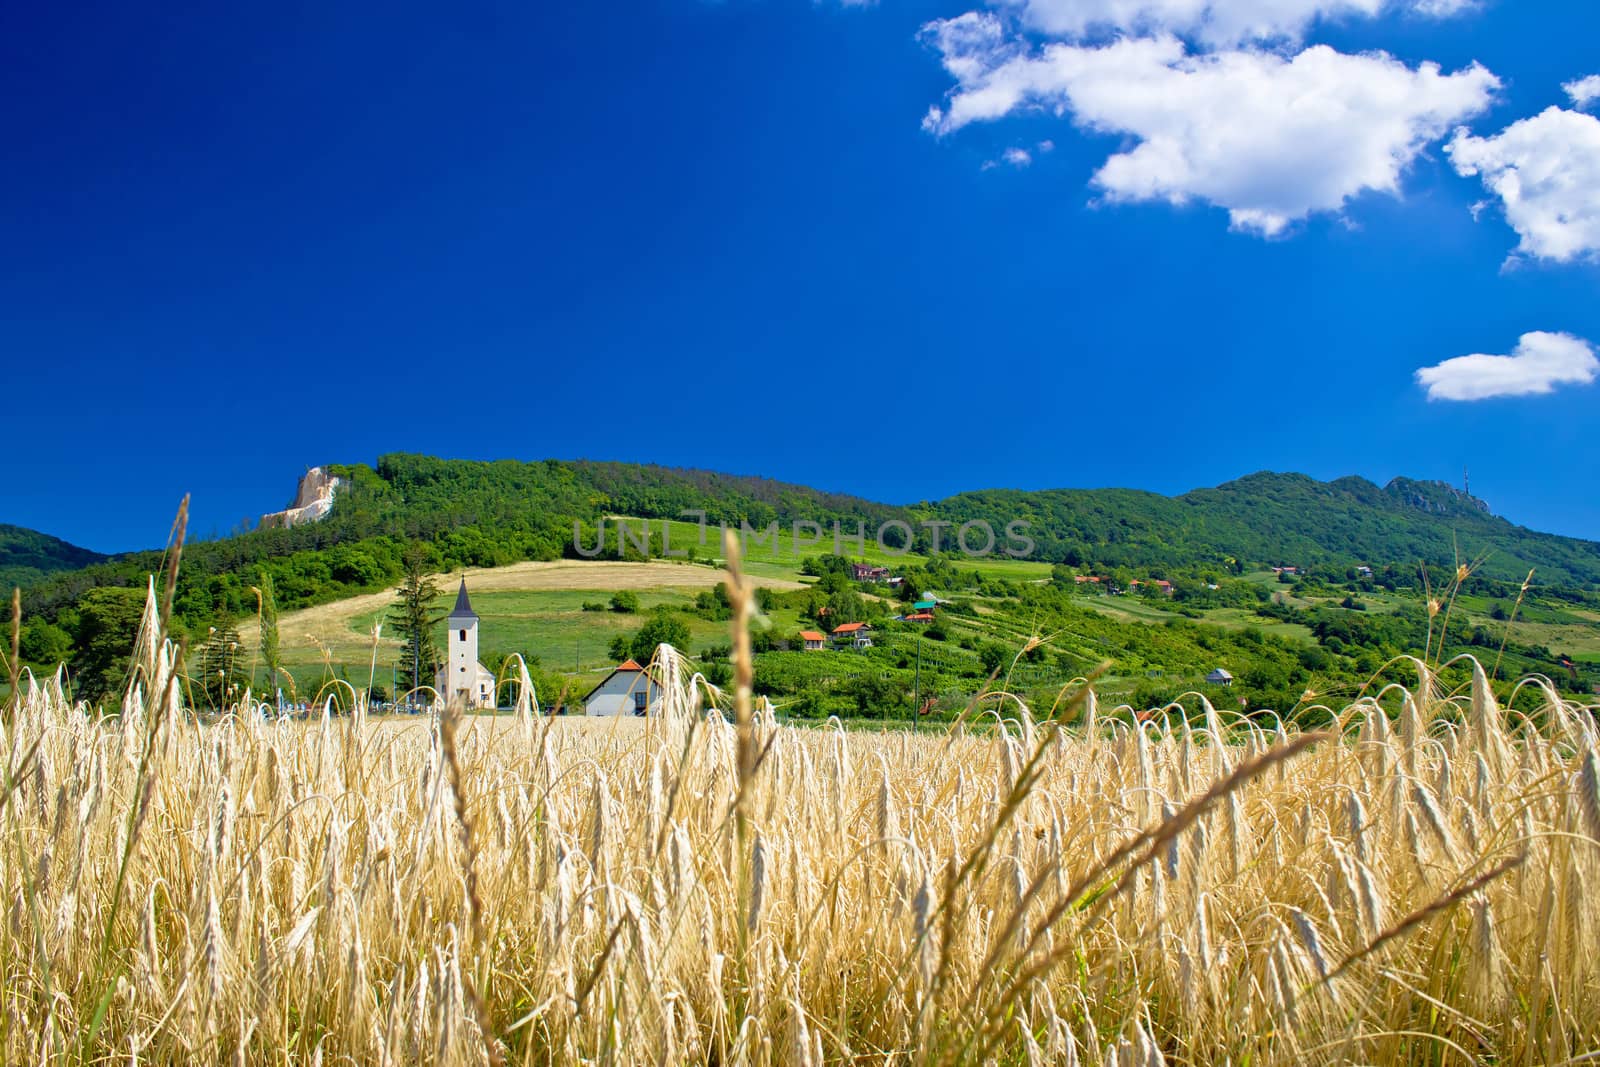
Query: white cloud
pixel 1546 172
pixel 1271 139
pixel 1215 22
pixel 1541 362
pixel 1017 157
pixel 1584 91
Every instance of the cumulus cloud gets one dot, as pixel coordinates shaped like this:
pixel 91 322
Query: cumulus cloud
pixel 1584 91
pixel 1541 362
pixel 1268 137
pixel 1214 22
pixel 1017 157
pixel 1546 172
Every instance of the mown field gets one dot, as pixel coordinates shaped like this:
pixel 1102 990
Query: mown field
pixel 1412 885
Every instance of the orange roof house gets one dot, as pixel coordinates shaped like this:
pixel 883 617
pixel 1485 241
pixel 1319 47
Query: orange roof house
pixel 854 634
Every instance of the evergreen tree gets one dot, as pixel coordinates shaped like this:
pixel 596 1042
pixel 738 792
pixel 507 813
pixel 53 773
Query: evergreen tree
pixel 220 666
pixel 267 610
pixel 413 620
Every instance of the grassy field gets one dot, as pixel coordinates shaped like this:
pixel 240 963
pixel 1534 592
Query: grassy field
pixel 535 609
pixel 779 558
pixel 1411 888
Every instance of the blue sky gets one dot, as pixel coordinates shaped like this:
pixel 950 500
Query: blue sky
pixel 238 243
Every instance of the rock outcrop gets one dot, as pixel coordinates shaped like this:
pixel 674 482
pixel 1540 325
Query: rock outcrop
pixel 1435 498
pixel 312 500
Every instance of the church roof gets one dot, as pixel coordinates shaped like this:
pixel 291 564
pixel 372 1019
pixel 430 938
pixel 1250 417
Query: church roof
pixel 463 609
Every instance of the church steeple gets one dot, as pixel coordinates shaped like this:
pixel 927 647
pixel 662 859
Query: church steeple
pixel 463 609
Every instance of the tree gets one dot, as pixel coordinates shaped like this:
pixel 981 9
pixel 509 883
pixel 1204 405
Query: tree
pixel 664 628
pixel 413 620
pixel 44 643
pixel 108 626
pixel 845 606
pixel 219 664
pixel 267 612
pixel 625 602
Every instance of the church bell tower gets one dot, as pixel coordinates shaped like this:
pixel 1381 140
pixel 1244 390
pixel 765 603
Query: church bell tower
pixel 461 667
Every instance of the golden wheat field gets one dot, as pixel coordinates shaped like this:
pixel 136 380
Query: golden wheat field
pixel 1413 886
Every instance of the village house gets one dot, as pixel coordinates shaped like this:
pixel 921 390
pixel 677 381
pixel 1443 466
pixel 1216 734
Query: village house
pixel 1363 571
pixel 920 616
pixel 1220 676
pixel 627 690
pixel 1160 583
pixel 868 572
pixel 462 678
pixel 853 635
pixel 814 641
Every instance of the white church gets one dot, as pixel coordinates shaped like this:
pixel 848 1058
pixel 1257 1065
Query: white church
pixel 462 677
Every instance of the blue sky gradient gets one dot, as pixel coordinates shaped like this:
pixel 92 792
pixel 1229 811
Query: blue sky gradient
pixel 238 243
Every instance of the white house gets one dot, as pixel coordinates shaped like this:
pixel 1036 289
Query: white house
pixel 1220 676
pixel 462 677
pixel 628 690
pixel 856 635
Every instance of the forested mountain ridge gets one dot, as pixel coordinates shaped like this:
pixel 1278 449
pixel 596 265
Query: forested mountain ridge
pixel 1284 519
pixel 26 556
pixel 478 513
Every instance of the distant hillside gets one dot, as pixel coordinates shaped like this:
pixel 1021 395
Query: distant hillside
pixel 1284 518
pixel 483 514
pixel 26 556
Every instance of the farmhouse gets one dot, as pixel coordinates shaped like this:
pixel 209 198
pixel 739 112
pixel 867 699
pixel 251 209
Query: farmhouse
pixel 814 641
pixel 463 678
pixel 920 616
pixel 853 635
pixel 1160 583
pixel 867 572
pixel 627 690
pixel 1220 676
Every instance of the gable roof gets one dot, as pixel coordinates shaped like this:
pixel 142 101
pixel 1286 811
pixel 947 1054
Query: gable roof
pixel 463 608
pixel 921 616
pixel 848 627
pixel 627 666
pixel 810 635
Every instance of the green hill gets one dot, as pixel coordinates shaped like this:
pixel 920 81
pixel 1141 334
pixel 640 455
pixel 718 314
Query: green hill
pixel 490 514
pixel 1284 518
pixel 26 556
pixel 1214 548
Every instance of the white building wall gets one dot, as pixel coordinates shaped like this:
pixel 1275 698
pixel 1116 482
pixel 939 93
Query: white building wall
pixel 616 695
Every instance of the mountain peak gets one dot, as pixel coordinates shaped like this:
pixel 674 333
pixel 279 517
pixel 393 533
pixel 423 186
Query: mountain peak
pixel 1436 498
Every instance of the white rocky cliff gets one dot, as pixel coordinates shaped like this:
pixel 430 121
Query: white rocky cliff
pixel 312 500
